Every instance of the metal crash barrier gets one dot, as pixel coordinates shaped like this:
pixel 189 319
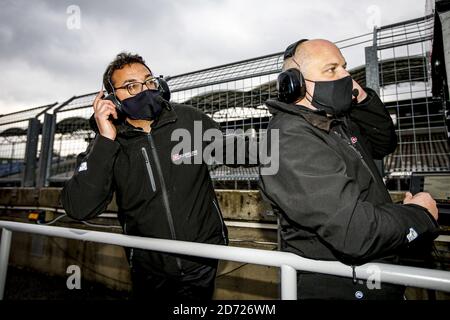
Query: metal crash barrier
pixel 289 263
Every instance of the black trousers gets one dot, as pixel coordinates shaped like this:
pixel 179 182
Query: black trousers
pixel 327 287
pixel 197 285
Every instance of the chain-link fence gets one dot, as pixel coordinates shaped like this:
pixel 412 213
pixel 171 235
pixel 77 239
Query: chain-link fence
pixel 233 95
pixel 72 135
pixel 14 128
pixel 405 81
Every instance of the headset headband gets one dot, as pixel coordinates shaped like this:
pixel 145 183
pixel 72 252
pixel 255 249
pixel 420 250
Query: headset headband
pixel 290 50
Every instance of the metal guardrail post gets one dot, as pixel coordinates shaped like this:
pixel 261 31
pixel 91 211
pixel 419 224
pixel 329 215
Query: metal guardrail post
pixel 29 173
pixel 372 70
pixel 288 283
pixel 45 159
pixel 5 246
pixel 373 78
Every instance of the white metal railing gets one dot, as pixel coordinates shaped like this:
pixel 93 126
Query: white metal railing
pixel 288 262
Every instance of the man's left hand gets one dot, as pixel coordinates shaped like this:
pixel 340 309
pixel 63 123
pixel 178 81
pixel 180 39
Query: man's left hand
pixel 362 94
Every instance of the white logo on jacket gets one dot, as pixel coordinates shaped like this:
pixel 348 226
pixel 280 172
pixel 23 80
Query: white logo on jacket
pixel 411 235
pixel 83 167
pixel 177 157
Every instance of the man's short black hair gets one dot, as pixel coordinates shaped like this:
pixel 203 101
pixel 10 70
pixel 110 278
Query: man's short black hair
pixel 121 60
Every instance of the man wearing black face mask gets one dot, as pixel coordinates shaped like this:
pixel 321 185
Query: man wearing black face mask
pixel 330 198
pixel 132 155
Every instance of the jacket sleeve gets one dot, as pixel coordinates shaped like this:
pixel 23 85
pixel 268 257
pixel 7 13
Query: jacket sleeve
pixel 375 125
pixel 313 191
pixel 89 191
pixel 238 149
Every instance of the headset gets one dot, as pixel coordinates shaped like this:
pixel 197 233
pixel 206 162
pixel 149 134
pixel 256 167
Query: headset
pixel 162 87
pixel 291 83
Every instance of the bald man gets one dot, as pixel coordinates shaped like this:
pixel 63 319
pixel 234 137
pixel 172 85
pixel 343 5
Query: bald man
pixel 331 200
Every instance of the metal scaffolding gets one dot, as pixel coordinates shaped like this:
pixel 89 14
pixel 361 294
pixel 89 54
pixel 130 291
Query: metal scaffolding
pixel 405 82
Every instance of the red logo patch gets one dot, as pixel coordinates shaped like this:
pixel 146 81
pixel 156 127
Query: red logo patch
pixel 354 140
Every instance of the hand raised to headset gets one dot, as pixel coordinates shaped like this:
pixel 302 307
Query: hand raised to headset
pixel 361 93
pixel 103 109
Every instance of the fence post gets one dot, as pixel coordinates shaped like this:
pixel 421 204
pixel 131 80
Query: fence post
pixel 372 70
pixel 46 155
pixel 5 246
pixel 288 283
pixel 29 173
pixel 373 79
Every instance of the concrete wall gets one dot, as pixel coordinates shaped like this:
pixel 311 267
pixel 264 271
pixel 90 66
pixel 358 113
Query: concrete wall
pixel 107 264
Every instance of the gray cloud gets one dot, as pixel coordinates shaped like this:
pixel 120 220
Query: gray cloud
pixel 42 61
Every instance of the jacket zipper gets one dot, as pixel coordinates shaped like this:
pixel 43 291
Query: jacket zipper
pixel 149 169
pixel 164 196
pixel 131 257
pixel 131 249
pixel 221 222
pixel 347 140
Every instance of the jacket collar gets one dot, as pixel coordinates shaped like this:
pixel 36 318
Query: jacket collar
pixel 168 115
pixel 317 118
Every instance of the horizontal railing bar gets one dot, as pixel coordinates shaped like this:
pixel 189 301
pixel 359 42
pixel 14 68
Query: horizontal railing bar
pixel 401 275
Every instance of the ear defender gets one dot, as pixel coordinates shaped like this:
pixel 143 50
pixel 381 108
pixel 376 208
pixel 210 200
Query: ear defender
pixel 290 86
pixel 164 88
pixel 290 83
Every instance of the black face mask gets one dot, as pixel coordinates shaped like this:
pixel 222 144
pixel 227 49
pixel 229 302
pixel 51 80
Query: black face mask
pixel 334 97
pixel 146 105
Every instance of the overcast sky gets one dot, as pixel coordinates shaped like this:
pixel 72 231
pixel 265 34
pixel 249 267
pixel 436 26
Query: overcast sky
pixel 52 50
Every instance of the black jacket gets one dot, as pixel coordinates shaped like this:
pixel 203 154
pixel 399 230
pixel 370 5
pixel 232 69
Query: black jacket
pixel 155 197
pixel 332 202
